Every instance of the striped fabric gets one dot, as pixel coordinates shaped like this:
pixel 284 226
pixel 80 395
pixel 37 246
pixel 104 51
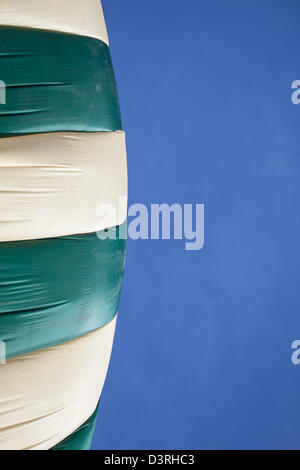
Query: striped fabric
pixel 59 192
pixel 83 18
pixel 58 82
pixel 82 437
pixel 63 203
pixel 46 395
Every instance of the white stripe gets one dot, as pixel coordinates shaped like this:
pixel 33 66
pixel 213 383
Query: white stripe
pixel 53 184
pixel 47 395
pixel 83 17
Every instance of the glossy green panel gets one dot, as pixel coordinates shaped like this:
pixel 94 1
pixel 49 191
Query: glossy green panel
pixel 54 290
pixel 82 438
pixel 56 82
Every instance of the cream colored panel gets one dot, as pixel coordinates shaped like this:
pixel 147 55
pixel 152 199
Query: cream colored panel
pixel 47 395
pixel 59 184
pixel 83 17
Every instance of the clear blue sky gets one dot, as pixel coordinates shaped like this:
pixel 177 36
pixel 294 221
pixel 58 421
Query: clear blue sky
pixel 202 357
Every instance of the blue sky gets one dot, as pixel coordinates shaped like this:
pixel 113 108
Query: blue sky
pixel 202 356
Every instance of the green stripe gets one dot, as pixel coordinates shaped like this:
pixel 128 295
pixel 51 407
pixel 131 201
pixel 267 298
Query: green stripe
pixel 82 438
pixel 54 290
pixel 56 82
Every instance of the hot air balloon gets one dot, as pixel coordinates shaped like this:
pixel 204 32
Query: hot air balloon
pixel 62 156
